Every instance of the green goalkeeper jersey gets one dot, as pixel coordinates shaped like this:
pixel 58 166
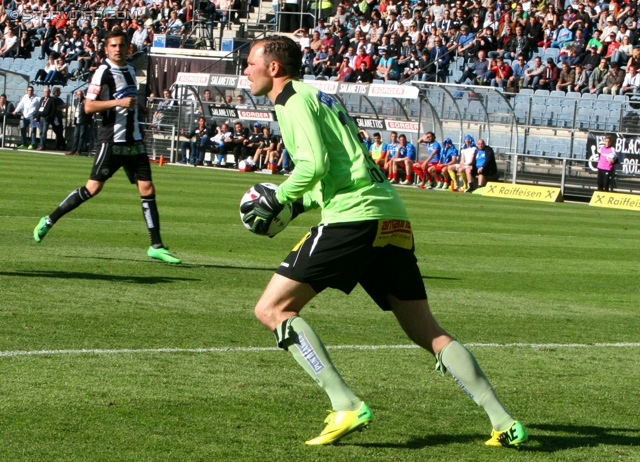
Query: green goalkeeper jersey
pixel 333 168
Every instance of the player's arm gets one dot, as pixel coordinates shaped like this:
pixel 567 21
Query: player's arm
pixel 94 107
pixel 299 127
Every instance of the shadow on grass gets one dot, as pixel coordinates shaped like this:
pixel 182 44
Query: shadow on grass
pixel 559 438
pixel 564 437
pixel 419 443
pixel 438 277
pixel 183 265
pixel 95 277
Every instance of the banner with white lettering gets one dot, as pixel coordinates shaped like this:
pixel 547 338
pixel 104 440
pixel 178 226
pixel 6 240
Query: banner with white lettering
pixel 370 124
pixel 218 112
pixel 627 147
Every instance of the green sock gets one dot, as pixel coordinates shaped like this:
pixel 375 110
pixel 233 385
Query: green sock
pixel 312 355
pixel 467 373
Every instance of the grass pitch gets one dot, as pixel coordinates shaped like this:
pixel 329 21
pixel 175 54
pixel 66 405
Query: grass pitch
pixel 498 272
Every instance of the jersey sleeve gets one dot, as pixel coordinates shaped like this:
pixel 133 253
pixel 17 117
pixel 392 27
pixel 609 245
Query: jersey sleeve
pixel 302 138
pixel 97 89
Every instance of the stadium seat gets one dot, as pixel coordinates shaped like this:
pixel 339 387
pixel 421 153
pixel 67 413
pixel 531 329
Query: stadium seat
pixel 544 149
pixel 308 77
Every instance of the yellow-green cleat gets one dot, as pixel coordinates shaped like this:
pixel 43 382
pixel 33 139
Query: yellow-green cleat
pixel 341 423
pixel 163 254
pixel 42 229
pixel 512 437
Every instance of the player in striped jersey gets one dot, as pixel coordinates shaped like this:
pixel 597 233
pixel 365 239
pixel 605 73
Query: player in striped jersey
pixel 113 93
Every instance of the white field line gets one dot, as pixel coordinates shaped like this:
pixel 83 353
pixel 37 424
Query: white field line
pixel 536 346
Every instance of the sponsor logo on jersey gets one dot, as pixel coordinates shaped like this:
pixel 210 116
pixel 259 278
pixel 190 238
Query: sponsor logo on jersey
pixel 126 92
pixel 326 99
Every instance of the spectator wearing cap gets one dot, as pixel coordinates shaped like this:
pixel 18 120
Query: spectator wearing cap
pixel 376 33
pixel 343 42
pixel 550 76
pixel 613 80
pixel 307 61
pixel 140 35
pixel 321 28
pixel 610 28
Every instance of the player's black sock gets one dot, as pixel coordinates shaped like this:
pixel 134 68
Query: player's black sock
pixel 72 202
pixel 152 218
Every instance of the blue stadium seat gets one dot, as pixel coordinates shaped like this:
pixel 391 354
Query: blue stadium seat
pixel 543 149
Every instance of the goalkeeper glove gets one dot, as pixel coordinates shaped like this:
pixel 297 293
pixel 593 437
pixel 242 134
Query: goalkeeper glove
pixel 260 212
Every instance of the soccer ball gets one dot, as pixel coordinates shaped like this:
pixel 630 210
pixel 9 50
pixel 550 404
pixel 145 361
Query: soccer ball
pixel 278 223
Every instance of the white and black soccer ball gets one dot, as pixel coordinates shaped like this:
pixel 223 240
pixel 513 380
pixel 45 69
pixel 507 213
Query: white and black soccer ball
pixel 278 223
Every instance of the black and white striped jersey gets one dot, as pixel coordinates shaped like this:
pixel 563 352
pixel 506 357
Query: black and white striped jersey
pixel 119 125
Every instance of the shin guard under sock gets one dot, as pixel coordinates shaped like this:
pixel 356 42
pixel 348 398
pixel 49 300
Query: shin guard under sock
pixel 465 370
pixel 299 338
pixel 152 219
pixel 72 202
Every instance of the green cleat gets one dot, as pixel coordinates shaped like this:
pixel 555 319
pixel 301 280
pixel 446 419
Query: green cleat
pixel 31 146
pixel 42 229
pixel 513 437
pixel 162 254
pixel 341 423
pixel 22 146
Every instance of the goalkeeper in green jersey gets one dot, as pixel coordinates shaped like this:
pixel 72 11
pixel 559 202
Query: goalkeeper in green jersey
pixel 364 235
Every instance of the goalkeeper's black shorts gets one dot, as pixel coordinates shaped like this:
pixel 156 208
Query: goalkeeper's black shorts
pixel 377 254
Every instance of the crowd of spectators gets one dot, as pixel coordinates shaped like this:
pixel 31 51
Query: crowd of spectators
pixel 597 48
